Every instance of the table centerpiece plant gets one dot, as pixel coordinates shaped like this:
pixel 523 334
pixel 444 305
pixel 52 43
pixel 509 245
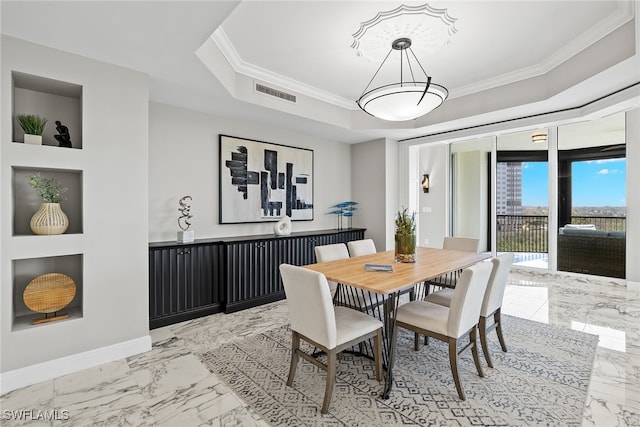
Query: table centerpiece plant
pixel 405 236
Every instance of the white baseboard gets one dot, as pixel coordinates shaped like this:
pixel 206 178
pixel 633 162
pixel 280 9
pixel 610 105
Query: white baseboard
pixel 633 286
pixel 18 378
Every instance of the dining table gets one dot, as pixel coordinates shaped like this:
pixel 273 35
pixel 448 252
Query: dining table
pixel 378 289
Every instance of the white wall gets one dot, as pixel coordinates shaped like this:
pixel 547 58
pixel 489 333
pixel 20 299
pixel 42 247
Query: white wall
pixel 113 241
pixel 184 160
pixel 632 121
pixel 470 215
pixel 432 225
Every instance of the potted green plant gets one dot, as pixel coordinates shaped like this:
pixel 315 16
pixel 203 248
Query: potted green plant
pixel 49 219
pixel 405 237
pixel 33 126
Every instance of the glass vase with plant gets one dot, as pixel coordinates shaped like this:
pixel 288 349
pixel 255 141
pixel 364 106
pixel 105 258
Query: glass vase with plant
pixel 405 237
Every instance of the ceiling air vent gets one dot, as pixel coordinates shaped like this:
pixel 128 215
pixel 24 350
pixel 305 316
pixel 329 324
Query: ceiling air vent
pixel 275 92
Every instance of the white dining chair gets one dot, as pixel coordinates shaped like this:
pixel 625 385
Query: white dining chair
pixel 361 247
pixel 449 324
pixel 448 280
pixel 334 252
pixel 349 297
pixel 461 244
pixel 315 320
pixel 491 303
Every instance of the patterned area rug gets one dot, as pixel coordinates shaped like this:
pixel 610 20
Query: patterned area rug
pixel 541 380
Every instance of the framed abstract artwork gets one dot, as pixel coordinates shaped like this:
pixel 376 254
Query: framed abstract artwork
pixel 262 181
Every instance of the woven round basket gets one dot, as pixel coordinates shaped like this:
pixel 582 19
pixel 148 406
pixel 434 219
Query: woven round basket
pixel 49 219
pixel 49 292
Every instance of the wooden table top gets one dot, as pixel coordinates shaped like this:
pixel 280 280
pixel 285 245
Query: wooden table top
pixel 430 263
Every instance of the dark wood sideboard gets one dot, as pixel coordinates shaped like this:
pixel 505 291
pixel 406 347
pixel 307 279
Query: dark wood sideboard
pixel 190 280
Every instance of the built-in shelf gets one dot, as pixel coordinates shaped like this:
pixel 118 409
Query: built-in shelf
pixel 34 255
pixel 53 99
pixel 44 156
pixel 26 201
pixel 25 270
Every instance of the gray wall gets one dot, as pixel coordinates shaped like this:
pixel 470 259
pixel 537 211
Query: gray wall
pixel 112 241
pixel 184 160
pixel 375 186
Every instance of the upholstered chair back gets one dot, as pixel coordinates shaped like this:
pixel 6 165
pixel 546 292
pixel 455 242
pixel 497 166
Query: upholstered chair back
pixel 361 247
pixel 461 244
pixel 497 282
pixel 310 305
pixel 326 253
pixel 468 295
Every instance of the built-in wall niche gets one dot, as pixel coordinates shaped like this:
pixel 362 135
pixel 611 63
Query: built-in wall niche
pixel 53 99
pixel 26 200
pixel 26 270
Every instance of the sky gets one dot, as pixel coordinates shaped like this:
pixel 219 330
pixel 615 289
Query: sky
pixel 595 183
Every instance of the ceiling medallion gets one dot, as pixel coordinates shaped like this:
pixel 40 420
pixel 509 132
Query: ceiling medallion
pixel 431 28
pixel 410 96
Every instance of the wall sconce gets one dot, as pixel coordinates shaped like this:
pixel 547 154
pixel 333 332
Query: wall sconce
pixel 425 183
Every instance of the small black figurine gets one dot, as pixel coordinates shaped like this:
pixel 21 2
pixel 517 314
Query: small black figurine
pixel 64 139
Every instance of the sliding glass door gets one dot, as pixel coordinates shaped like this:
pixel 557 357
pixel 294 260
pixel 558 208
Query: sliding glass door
pixel 522 197
pixel 592 197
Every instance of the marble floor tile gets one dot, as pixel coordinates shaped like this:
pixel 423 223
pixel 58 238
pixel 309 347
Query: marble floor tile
pixel 170 386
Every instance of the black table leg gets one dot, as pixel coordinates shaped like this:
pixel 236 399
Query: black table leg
pixel 390 308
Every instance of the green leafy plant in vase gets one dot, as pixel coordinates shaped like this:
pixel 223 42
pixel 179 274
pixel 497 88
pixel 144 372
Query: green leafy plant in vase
pixel 33 126
pixel 405 237
pixel 49 219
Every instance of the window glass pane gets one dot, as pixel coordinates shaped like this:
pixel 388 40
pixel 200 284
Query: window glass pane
pixel 592 197
pixel 522 197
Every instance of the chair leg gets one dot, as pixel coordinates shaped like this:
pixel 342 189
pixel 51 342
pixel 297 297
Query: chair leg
pixel 453 360
pixel 377 348
pixel 474 350
pixel 498 322
pixel 295 345
pixel 483 340
pixel 331 379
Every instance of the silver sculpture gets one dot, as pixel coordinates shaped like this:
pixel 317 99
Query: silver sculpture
pixel 185 209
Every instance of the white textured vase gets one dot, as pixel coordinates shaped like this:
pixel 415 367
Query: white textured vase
pixel 283 227
pixel 49 219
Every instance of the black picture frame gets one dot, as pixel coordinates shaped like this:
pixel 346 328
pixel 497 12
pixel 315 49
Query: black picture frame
pixel 262 181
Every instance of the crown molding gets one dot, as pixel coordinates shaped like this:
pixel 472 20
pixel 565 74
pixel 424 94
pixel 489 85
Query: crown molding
pixel 240 66
pixel 623 14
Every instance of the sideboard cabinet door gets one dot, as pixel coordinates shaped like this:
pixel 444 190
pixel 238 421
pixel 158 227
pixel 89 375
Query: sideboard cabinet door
pixel 183 283
pixel 252 276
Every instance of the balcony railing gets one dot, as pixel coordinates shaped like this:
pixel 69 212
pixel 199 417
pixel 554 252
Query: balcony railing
pixel 522 233
pixel 528 233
